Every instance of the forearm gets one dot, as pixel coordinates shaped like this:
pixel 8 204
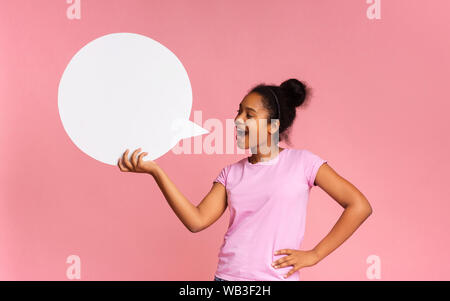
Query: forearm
pixel 185 210
pixel 349 221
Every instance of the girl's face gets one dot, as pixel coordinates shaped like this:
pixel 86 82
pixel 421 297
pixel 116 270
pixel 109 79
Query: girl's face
pixel 253 129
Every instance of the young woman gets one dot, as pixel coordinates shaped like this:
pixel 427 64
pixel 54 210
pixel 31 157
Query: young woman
pixel 267 193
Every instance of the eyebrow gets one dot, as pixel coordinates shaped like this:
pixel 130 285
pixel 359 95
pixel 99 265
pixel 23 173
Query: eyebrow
pixel 248 108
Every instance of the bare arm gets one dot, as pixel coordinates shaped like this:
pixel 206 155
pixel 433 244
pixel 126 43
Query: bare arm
pixel 195 218
pixel 357 209
pixel 185 210
pixel 212 206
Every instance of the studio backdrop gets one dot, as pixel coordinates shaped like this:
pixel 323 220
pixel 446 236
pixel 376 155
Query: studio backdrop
pixel 83 80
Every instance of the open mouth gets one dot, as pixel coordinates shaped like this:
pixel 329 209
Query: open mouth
pixel 241 132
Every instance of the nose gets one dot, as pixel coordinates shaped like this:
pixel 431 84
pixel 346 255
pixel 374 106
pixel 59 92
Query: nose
pixel 239 123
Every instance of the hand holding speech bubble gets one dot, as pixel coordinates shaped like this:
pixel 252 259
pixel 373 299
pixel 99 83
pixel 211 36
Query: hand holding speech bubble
pixel 125 90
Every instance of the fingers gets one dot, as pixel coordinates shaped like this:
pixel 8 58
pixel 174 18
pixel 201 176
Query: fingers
pixel 290 260
pixel 292 271
pixel 130 165
pixel 133 157
pixel 285 261
pixel 284 251
pixel 140 158
pixel 121 167
pixel 125 161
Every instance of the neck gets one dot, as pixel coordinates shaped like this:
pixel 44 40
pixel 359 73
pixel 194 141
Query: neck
pixel 266 154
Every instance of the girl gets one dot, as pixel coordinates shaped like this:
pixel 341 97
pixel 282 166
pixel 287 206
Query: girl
pixel 267 193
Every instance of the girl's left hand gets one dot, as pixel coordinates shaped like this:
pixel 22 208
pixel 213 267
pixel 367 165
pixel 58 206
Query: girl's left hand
pixel 297 258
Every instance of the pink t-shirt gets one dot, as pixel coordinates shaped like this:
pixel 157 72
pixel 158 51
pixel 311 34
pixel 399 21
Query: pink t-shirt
pixel 267 203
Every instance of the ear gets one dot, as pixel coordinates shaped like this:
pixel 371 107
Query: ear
pixel 274 126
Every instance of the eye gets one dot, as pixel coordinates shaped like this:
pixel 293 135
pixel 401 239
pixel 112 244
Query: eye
pixel 248 116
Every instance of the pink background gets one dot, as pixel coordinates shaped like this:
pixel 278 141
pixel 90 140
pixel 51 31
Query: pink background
pixel 379 115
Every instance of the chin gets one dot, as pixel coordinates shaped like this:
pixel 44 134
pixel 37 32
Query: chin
pixel 242 146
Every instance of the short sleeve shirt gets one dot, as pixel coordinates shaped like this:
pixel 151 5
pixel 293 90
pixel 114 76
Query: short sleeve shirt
pixel 267 202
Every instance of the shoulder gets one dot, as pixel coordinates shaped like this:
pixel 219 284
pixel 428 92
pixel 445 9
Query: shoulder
pixel 297 153
pixel 226 173
pixel 305 154
pixel 306 158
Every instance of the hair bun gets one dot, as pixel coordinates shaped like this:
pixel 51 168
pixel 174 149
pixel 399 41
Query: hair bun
pixel 295 90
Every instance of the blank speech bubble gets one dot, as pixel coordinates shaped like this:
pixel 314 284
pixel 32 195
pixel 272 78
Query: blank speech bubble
pixel 125 90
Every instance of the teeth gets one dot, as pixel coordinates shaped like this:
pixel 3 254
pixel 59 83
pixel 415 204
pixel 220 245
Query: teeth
pixel 241 132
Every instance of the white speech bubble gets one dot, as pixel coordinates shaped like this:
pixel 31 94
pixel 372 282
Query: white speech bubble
pixel 125 90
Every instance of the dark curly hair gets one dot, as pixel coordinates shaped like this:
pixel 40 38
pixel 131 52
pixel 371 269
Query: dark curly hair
pixel 291 94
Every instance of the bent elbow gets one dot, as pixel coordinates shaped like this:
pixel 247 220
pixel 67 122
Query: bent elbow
pixel 195 229
pixel 369 209
pixel 363 206
pixel 362 209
